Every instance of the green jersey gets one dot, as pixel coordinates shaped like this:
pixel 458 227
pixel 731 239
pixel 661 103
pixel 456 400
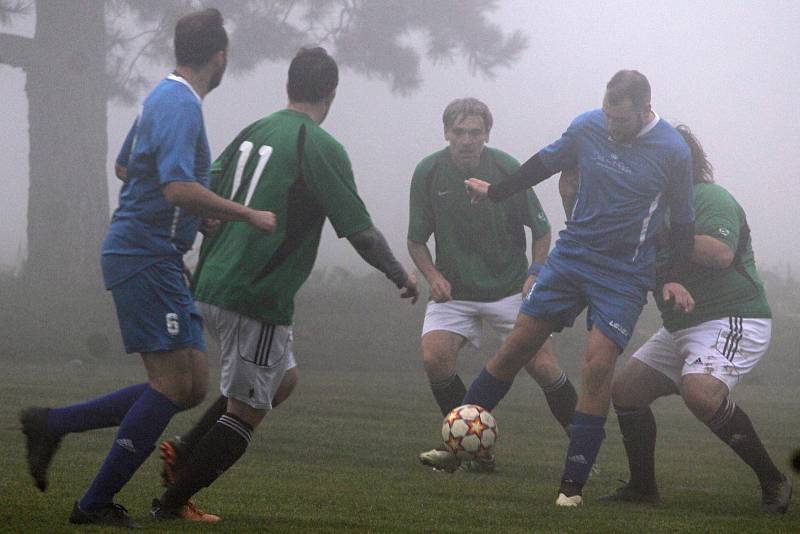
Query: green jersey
pixel 718 293
pixel 287 164
pixel 480 248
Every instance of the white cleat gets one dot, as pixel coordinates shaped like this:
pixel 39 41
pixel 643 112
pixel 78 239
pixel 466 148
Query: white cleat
pixel 569 502
pixel 440 460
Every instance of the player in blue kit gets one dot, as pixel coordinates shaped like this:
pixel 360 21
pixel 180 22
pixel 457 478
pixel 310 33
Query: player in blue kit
pixel 164 163
pixel 633 166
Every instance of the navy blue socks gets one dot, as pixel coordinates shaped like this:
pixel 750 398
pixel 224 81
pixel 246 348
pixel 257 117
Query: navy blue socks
pixel 486 391
pixel 586 436
pixel 102 412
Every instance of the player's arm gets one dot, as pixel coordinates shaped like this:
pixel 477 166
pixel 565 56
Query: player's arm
pixel 121 164
pixel 540 248
pixel 529 174
pixel 421 256
pixel 373 248
pixel 711 252
pixel 198 200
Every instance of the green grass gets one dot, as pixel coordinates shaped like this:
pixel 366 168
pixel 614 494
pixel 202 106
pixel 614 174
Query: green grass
pixel 339 456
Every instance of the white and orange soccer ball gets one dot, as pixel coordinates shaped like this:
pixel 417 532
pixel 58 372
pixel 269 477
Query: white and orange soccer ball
pixel 469 432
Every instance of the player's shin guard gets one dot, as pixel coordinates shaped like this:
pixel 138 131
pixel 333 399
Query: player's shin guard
pixel 733 426
pixel 561 398
pixel 585 439
pixel 136 438
pixel 189 440
pixel 449 393
pixel 486 391
pixel 219 449
pixel 638 429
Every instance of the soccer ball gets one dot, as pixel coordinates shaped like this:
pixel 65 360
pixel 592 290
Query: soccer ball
pixel 469 432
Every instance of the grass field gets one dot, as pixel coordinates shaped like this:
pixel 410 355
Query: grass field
pixel 339 456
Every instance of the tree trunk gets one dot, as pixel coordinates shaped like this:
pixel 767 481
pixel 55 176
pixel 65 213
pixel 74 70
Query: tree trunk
pixel 67 96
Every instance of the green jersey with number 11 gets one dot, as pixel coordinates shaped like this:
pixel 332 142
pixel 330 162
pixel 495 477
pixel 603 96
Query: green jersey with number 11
pixel 286 164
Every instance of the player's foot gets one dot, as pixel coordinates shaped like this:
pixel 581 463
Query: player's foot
pixel 169 452
pixel 40 443
pixel 569 502
pixel 631 494
pixel 111 515
pixel 440 460
pixel 775 496
pixel 187 512
pixel 479 465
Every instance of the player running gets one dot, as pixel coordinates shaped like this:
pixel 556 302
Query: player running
pixel 703 355
pixel 164 163
pixel 246 282
pixel 481 269
pixel 633 166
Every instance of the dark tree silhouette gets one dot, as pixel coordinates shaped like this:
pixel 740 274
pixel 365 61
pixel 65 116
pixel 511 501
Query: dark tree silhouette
pixel 83 54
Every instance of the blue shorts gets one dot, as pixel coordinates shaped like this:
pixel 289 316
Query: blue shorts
pixel 156 310
pixel 565 287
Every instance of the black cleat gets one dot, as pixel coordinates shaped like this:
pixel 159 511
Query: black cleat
pixel 631 494
pixel 41 443
pixel 775 496
pixel 110 515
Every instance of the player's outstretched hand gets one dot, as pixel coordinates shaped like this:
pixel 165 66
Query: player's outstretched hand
pixel 476 189
pixel 440 289
pixel 410 290
pixel 263 220
pixel 679 296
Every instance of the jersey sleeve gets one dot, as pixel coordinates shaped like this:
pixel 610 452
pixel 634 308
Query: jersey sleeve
pixel 562 153
pixel 420 209
pixel 127 146
pixel 329 175
pixel 718 216
pixel 536 218
pixel 177 143
pixel 680 186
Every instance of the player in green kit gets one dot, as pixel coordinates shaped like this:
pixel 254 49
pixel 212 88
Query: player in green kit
pixel 703 354
pixel 481 269
pixel 245 282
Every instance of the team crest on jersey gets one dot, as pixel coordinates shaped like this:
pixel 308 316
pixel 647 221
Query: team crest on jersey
pixel 724 232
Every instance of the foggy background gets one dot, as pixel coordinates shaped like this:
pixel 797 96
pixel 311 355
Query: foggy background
pixel 728 69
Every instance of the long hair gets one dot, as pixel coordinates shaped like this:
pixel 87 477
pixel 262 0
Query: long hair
pixel 702 169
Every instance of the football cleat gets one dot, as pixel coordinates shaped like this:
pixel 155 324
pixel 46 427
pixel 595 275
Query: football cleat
pixel 110 515
pixel 775 496
pixel 168 452
pixel 479 465
pixel 630 494
pixel 440 460
pixel 40 443
pixel 187 512
pixel 569 502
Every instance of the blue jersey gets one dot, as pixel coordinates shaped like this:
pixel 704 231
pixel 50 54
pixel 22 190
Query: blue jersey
pixel 167 143
pixel 624 192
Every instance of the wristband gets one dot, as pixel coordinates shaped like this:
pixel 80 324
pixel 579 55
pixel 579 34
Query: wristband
pixel 535 269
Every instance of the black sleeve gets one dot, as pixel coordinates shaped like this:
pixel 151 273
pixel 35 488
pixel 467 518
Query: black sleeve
pixel 681 243
pixel 529 174
pixel 373 248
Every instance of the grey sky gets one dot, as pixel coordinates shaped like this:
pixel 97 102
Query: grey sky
pixel 728 69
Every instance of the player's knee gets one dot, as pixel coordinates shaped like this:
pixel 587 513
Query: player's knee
pixel 700 401
pixel 544 368
pixel 286 387
pixel 438 363
pixel 597 374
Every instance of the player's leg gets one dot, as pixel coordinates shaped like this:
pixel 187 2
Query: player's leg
pixel 708 378
pixel 543 368
pixel 652 372
pixel 158 318
pixel 255 358
pixel 558 391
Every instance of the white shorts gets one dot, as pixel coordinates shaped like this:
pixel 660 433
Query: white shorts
pixel 466 317
pixel 726 349
pixel 254 356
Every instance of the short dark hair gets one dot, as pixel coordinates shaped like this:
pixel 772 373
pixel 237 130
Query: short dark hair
pixel 465 107
pixel 628 84
pixel 313 75
pixel 702 170
pixel 198 36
